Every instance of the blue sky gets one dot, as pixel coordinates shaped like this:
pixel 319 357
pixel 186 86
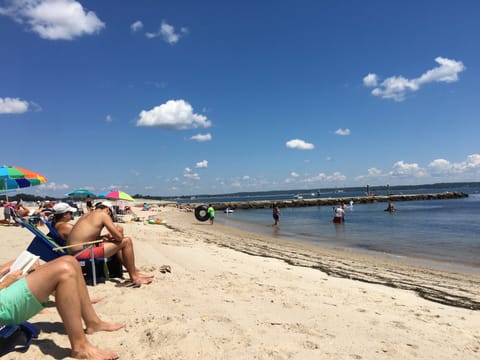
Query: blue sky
pixel 208 97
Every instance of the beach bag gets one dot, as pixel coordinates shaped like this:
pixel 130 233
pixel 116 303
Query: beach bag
pixel 105 270
pixel 115 268
pixel 16 337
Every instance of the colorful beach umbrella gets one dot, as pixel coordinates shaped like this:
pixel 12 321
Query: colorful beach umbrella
pixel 14 177
pixel 81 193
pixel 116 195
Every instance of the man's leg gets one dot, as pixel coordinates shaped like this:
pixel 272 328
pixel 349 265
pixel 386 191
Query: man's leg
pixel 71 297
pixel 128 259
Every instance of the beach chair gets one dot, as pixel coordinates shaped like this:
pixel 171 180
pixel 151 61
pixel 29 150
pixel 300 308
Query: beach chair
pixel 111 267
pixel 52 232
pixel 50 248
pixel 16 337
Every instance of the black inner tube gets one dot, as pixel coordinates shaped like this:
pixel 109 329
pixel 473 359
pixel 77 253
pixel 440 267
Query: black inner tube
pixel 201 213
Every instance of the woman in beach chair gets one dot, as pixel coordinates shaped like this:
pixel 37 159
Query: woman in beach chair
pixel 21 297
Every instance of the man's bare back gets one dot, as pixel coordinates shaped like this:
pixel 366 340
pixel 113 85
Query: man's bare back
pixel 89 228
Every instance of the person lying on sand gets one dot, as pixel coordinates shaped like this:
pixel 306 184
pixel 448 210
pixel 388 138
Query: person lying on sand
pixel 89 228
pixel 21 297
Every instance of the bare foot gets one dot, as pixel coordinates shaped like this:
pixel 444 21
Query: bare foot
pixel 140 280
pixel 103 326
pixel 91 352
pixel 150 276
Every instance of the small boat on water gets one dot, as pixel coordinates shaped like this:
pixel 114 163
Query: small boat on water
pixel 228 211
pixel 297 196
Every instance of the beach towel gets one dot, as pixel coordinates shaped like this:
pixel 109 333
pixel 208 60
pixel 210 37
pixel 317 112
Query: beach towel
pixel 16 337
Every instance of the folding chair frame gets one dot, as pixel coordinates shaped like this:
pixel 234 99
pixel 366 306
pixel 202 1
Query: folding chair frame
pixel 41 243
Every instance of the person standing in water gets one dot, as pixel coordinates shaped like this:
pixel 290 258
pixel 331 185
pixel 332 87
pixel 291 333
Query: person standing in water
pixel 211 213
pixel 276 214
pixel 390 207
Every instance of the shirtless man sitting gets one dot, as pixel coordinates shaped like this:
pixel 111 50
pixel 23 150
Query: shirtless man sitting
pixel 89 228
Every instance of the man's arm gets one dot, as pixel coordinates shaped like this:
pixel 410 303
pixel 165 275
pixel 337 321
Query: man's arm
pixel 112 229
pixel 64 230
pixel 11 278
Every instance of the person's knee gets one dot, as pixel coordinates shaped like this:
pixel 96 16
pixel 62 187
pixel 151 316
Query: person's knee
pixel 68 264
pixel 127 241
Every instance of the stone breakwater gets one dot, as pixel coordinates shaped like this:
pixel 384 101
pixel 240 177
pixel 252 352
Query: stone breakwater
pixel 265 204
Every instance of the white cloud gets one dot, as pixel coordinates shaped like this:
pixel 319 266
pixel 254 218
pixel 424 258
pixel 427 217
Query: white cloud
pixel 53 186
pixel 136 26
pixel 299 144
pixel 189 174
pixel 168 34
pixel 294 174
pixel 336 177
pixel 403 169
pixel 370 80
pixel 236 184
pixel 447 72
pixel 108 118
pixel 54 19
pixel 397 87
pixel 437 170
pixel 445 167
pixel 440 166
pixel 13 106
pixel 374 175
pixel 472 162
pixel 374 172
pixel 202 164
pixel 245 177
pixel 342 132
pixel 201 137
pixel 174 115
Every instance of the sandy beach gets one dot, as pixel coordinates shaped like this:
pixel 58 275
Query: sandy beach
pixel 238 295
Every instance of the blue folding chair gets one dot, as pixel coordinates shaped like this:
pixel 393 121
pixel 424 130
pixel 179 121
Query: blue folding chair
pixel 50 248
pixel 16 337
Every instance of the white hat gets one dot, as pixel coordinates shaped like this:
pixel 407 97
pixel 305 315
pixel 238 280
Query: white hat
pixel 105 203
pixel 62 208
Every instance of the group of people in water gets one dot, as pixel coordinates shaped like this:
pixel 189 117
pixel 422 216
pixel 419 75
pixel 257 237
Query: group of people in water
pixel 24 295
pixel 339 212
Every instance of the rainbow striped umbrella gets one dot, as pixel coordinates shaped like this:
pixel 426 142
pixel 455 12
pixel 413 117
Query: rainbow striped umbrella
pixel 116 195
pixel 14 177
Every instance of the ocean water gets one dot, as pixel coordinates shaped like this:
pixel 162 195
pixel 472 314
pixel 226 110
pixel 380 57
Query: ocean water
pixel 446 232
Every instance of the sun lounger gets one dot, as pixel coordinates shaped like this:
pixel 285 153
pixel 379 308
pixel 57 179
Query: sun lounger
pixel 49 248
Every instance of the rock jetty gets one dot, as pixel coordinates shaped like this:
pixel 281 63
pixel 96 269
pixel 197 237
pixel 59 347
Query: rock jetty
pixel 265 204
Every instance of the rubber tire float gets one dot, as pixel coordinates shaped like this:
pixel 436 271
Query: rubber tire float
pixel 201 213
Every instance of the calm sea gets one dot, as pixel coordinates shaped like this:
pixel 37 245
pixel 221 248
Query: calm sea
pixel 443 232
